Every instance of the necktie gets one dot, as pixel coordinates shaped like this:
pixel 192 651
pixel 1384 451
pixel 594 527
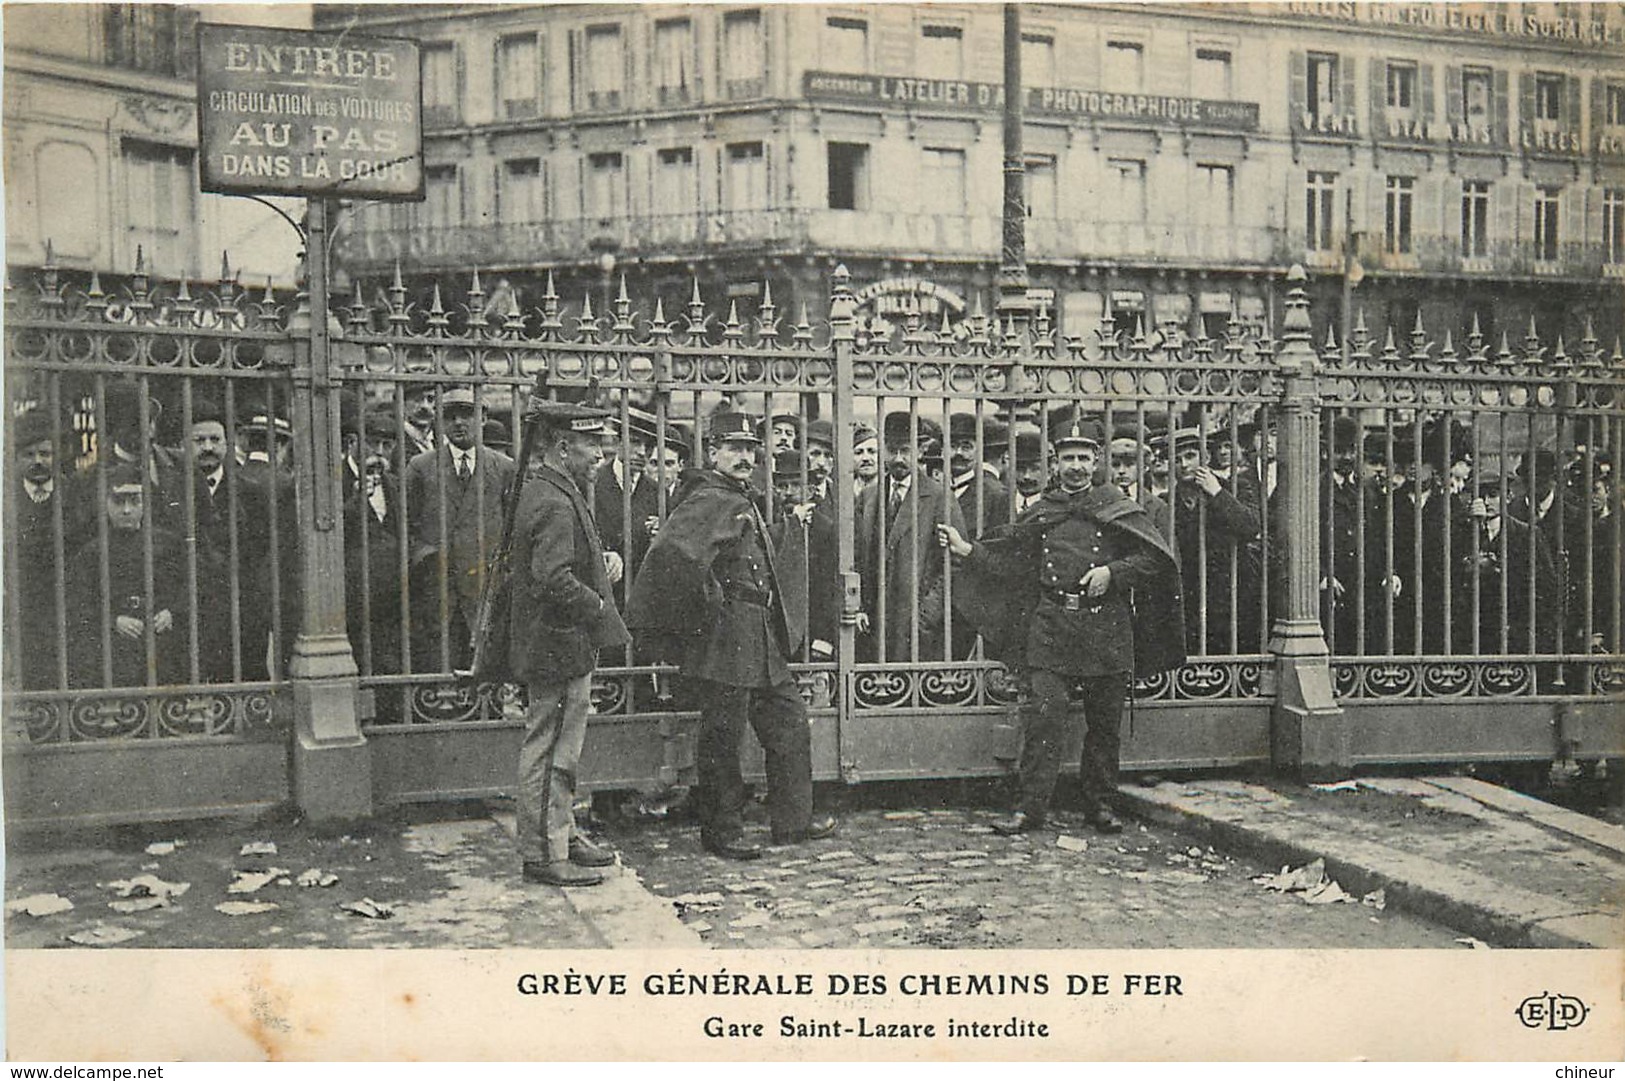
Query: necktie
pixel 462 467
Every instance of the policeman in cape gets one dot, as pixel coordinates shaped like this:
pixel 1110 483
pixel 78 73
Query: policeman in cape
pixel 711 596
pixel 561 614
pixel 1080 590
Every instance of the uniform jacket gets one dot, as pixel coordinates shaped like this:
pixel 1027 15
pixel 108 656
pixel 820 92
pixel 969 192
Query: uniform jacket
pixel 1000 586
pixel 34 621
pixel 909 600
pixel 698 598
pixel 473 519
pixel 127 583
pixel 561 611
pixel 610 512
pixel 995 502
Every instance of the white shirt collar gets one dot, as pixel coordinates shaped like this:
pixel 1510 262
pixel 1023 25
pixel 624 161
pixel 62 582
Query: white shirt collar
pixel 617 467
pixel 39 493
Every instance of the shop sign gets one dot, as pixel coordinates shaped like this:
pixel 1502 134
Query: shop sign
pixel 311 113
pixel 1156 110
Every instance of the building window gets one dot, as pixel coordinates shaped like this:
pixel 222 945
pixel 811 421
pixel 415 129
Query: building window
pixel 742 60
pixel 747 177
pixel 674 61
pixel 1125 189
pixel 161 204
pixel 846 44
pixel 1321 211
pixel 848 176
pixel 157 38
pixel 1210 77
pixel 439 83
pixel 1614 105
pixel 1613 224
pixel 1038 59
pixel 1546 211
pixel 1213 200
pixel 1401 196
pixel 605 190
pixel 942 53
pixel 676 183
pixel 442 197
pixel 1401 94
pixel 606 67
pixel 944 177
pixel 1039 190
pixel 1475 219
pixel 1549 97
pixel 519 198
pixel 1476 95
pixel 1125 65
pixel 519 75
pixel 1322 85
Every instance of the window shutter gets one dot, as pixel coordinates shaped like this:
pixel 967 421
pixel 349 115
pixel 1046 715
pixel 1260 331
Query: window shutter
pixel 1526 98
pixel 1599 107
pixel 543 175
pixel 1379 95
pixel 1376 217
pixel 1504 202
pixel 1571 106
pixel 1502 121
pixel 1452 95
pixel 1299 85
pixel 1424 91
pixel 1346 93
pixel 1573 215
pixel 581 186
pixel 578 93
pixel 1593 217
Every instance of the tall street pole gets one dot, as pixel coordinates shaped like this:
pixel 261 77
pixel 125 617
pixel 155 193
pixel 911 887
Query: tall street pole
pixel 1013 281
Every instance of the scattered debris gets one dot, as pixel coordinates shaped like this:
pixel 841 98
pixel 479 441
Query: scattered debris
pixel 1195 853
pixel 1071 844
pixel 39 904
pixel 251 881
pixel 317 877
pixel 373 910
pixel 138 904
pixel 1309 882
pixel 102 935
pixel 164 848
pixel 147 886
pixel 1328 893
pixel 1473 943
pixel 258 848
pixel 751 919
pixel 1339 786
pixel 245 908
pixel 698 900
pixel 1377 899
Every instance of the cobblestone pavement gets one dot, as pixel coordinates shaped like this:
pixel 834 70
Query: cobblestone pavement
pixel 446 882
pixel 943 878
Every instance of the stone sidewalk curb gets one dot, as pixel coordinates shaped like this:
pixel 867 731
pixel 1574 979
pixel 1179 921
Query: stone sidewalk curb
pixel 1497 913
pixel 621 911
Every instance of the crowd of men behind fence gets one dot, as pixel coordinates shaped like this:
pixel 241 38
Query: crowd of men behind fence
pixel 167 554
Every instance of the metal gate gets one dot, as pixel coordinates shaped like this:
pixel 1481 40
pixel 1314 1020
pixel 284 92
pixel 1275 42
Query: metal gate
pixel 1240 448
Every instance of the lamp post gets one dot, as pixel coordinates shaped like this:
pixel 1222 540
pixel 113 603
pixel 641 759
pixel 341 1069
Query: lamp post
pixel 1013 281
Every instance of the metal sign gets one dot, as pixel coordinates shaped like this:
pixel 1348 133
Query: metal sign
pixel 296 112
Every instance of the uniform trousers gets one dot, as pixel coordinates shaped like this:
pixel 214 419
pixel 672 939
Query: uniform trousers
pixel 779 717
pixel 1046 723
pixel 555 729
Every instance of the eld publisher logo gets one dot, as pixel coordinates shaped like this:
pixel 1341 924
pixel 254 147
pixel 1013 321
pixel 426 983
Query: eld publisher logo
pixel 1554 1012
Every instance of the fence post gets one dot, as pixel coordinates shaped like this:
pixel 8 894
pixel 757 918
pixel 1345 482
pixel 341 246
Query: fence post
pixel 1309 734
pixel 332 767
pixel 843 341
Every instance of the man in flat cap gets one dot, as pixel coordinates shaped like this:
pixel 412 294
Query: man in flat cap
pixel 561 614
pixel 33 616
pixel 712 597
pixel 1129 465
pixel 1216 535
pixel 1080 591
pixel 865 457
pixel 901 566
pixel 454 503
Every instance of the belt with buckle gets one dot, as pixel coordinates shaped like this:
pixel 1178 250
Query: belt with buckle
pixel 750 596
pixel 1074 602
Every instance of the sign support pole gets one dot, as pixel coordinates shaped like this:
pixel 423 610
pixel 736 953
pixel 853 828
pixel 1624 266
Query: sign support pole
pixel 332 766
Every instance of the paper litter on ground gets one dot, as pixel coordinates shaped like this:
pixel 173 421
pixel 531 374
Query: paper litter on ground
pixel 39 904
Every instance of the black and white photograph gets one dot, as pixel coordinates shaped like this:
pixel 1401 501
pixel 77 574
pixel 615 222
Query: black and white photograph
pixel 780 527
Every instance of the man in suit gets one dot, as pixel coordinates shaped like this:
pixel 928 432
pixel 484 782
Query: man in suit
pixel 622 518
pixel 975 483
pixel 454 506
pixel 896 541
pixel 561 614
pixel 1128 460
pixel 1214 532
pixel 372 550
pixel 1023 465
pixel 711 596
pixel 1342 561
pixel 1500 560
pixel 865 457
pixel 1079 591
pixel 33 615
pixel 130 613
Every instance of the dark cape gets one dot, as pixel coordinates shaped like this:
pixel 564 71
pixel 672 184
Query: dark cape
pixel 998 591
pixel 677 597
